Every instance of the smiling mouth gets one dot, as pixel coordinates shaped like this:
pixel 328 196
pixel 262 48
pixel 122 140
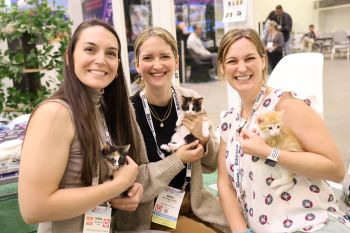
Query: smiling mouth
pixel 98 72
pixel 243 78
pixel 158 74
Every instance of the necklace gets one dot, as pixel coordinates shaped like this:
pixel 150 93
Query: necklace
pixel 166 115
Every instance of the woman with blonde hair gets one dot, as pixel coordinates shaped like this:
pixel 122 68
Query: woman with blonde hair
pixel 247 164
pixel 157 108
pixel 274 43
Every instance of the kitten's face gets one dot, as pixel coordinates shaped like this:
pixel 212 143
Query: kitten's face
pixel 191 105
pixel 270 123
pixel 115 155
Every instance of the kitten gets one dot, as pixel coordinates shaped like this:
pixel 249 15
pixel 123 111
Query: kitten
pixel 115 156
pixel 272 131
pixel 182 136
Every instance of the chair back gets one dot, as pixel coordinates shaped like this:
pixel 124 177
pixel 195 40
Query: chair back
pixel 302 73
pixel 340 37
pixel 197 59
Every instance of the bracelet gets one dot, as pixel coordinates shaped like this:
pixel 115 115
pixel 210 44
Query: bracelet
pixel 272 159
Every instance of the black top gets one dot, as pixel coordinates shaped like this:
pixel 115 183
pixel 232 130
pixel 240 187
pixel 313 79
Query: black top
pixel 163 134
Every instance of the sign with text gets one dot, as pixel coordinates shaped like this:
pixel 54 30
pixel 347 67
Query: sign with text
pixel 235 10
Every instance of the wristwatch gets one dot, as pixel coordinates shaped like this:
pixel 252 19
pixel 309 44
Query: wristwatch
pixel 273 157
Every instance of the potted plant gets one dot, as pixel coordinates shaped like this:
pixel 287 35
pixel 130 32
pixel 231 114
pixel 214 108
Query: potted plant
pixel 31 67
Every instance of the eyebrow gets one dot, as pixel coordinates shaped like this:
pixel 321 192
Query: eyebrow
pixel 93 44
pixel 249 54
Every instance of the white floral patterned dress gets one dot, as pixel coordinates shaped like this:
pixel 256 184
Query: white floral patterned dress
pixel 305 207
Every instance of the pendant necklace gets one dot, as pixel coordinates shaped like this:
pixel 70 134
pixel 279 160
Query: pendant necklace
pixel 166 115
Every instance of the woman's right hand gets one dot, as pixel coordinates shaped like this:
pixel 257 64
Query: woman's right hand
pixel 126 174
pixel 190 152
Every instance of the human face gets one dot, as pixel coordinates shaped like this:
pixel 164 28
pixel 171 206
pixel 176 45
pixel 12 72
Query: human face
pixel 279 12
pixel 156 63
pixel 199 31
pixel 243 67
pixel 96 57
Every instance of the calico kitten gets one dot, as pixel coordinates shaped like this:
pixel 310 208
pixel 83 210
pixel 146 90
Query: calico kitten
pixel 115 156
pixel 182 136
pixel 272 131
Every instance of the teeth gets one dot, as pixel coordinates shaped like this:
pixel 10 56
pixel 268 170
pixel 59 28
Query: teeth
pixel 158 74
pixel 243 78
pixel 98 72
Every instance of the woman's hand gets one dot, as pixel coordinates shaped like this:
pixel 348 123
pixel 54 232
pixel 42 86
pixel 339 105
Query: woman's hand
pixel 253 144
pixel 131 201
pixel 194 125
pixel 190 152
pixel 126 174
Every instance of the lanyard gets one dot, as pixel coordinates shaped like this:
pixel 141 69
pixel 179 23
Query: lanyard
pixel 151 126
pixel 108 136
pixel 188 176
pixel 149 116
pixel 237 174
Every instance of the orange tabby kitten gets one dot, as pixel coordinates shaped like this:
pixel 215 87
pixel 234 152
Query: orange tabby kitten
pixel 272 131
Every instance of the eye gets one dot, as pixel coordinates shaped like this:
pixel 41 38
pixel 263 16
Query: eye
pixel 278 126
pixel 165 57
pixel 112 54
pixel 231 61
pixel 146 58
pixel 270 128
pixel 89 49
pixel 250 58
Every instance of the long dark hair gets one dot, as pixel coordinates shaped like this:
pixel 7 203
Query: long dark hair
pixel 116 107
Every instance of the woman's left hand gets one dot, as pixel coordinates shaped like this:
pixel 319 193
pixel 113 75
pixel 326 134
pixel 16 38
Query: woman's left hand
pixel 131 202
pixel 253 144
pixel 194 125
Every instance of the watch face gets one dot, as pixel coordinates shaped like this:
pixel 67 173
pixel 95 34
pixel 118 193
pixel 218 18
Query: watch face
pixel 270 162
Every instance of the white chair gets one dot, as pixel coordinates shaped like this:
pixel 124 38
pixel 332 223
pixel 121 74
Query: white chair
pixel 300 72
pixel 296 45
pixel 340 43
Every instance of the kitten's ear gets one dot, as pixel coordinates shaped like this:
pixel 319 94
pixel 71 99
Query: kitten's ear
pixel 126 148
pixel 259 120
pixel 106 149
pixel 200 100
pixel 183 98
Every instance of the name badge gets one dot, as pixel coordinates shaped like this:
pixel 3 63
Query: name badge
pixel 98 219
pixel 167 207
pixel 269 45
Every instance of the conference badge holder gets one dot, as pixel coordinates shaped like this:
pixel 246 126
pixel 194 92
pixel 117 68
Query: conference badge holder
pixel 98 219
pixel 167 207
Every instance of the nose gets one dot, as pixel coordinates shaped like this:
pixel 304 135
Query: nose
pixel 100 58
pixel 242 66
pixel 157 64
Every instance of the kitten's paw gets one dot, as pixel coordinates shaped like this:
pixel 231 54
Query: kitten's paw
pixel 281 181
pixel 178 122
pixel 165 147
pixel 205 132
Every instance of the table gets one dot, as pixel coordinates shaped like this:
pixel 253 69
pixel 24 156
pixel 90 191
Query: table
pixel 324 42
pixel 9 178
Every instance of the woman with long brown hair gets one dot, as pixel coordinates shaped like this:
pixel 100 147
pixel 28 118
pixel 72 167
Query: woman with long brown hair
pixel 62 169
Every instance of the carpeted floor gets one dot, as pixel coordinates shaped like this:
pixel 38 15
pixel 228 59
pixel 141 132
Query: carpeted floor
pixel 10 218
